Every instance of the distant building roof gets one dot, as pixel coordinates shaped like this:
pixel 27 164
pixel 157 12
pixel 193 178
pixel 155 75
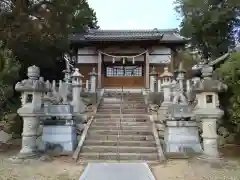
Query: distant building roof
pixel 170 35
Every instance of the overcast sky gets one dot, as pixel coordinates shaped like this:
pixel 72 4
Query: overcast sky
pixel 135 14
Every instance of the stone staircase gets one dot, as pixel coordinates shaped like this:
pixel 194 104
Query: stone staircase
pixel 120 134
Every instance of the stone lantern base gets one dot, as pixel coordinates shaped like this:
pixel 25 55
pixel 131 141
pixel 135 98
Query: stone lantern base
pixel 182 137
pixel 29 135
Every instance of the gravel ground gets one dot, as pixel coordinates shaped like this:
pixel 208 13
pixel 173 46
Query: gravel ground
pixel 59 169
pixel 195 170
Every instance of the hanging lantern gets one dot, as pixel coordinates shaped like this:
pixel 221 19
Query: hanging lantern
pixel 133 60
pixel 123 60
pixel 113 60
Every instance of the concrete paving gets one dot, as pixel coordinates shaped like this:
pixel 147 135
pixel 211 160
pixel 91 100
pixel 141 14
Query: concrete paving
pixel 117 171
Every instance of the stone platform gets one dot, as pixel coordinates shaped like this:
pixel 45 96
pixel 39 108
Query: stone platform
pixel 117 171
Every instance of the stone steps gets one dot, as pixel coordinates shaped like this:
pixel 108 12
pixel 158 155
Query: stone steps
pixel 149 143
pixel 119 115
pixel 123 120
pixel 117 132
pixel 126 117
pixel 119 156
pixel 85 161
pixel 115 105
pixel 118 103
pixel 120 137
pixel 123 107
pixel 123 112
pixel 119 149
pixel 121 127
pixel 117 123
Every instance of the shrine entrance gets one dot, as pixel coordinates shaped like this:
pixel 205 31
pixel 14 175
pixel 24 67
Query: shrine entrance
pixel 119 75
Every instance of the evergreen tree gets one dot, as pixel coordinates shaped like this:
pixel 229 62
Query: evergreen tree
pixel 9 68
pixel 209 24
pixel 37 31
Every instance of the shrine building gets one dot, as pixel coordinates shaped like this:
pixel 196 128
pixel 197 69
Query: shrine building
pixel 124 58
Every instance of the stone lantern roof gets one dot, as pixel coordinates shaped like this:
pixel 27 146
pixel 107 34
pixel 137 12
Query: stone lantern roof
pixel 207 84
pixel 77 73
pixel 166 73
pixel 34 83
pixel 180 69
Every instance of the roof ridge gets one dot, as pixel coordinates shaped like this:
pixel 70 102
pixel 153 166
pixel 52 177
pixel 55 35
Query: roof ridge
pixel 134 30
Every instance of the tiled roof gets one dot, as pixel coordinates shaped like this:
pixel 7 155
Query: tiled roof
pixel 128 35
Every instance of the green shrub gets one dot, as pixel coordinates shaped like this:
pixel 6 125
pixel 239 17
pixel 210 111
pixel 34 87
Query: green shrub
pixel 229 73
pixel 9 101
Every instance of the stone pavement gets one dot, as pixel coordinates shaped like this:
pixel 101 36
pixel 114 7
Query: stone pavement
pixel 117 171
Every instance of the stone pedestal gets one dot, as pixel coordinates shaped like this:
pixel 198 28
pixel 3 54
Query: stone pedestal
pixel 182 137
pixel 209 134
pixel 59 129
pixel 59 133
pixel 29 135
pixel 210 138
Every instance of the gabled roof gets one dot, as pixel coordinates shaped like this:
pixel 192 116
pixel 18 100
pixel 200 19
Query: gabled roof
pixel 168 35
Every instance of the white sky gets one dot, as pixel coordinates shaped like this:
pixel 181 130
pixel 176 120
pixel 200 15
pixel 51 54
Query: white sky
pixel 135 14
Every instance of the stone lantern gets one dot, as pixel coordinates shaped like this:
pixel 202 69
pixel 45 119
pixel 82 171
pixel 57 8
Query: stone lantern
pixel 78 105
pixel 32 91
pixel 166 78
pixel 181 76
pixel 93 80
pixel 153 75
pixel 207 110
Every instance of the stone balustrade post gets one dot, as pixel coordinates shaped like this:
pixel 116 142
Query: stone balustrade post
pixel 159 85
pixel 32 91
pixel 87 85
pixel 188 85
pixel 78 105
pixel 93 80
pixel 166 78
pixel 152 75
pixel 208 112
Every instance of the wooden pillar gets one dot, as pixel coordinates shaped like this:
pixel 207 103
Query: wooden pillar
pixel 147 70
pixel 173 60
pixel 99 83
